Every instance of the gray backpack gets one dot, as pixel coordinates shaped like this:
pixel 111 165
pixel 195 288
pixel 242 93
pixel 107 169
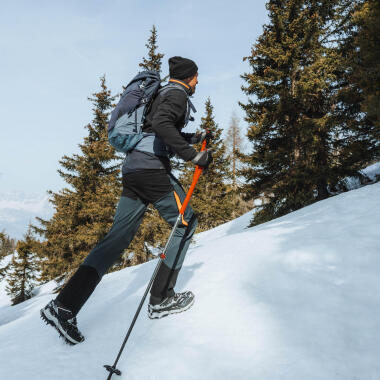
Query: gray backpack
pixel 127 119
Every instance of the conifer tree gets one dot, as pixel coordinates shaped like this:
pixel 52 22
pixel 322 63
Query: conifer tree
pixel 358 112
pixel 7 244
pixel 212 202
pixel 234 145
pixel 22 272
pixel 154 59
pixel 294 71
pixel 85 209
pixel 3 270
pixel 7 247
pixel 234 148
pixel 366 68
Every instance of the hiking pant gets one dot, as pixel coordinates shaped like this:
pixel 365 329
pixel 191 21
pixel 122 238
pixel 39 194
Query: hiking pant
pixel 128 217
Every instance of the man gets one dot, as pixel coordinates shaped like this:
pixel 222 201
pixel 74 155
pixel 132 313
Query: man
pixel 147 179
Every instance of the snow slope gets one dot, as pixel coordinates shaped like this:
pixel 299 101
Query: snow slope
pixel 293 299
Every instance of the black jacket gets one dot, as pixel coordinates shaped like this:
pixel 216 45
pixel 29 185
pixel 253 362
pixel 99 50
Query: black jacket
pixel 166 118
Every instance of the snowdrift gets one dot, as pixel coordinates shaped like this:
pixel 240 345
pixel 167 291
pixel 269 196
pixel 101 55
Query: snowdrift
pixel 293 299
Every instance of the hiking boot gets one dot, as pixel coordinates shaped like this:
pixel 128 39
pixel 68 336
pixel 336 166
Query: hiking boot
pixel 63 320
pixel 176 304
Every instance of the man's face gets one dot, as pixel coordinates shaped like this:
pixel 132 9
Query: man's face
pixel 193 82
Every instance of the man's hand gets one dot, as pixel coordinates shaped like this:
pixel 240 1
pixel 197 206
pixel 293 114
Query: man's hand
pixel 199 137
pixel 203 159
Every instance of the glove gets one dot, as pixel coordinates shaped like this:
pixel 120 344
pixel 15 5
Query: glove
pixel 203 159
pixel 199 137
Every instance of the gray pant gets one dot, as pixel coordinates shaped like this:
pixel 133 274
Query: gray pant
pixel 127 220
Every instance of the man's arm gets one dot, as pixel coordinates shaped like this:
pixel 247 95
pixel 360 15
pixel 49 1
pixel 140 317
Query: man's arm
pixel 168 113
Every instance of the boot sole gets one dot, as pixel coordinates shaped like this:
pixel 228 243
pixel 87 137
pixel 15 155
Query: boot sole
pixel 49 319
pixel 159 315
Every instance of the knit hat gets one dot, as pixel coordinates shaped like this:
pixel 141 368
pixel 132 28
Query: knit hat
pixel 181 68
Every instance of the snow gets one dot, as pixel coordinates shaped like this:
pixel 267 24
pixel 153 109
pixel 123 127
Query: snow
pixel 371 171
pixel 292 299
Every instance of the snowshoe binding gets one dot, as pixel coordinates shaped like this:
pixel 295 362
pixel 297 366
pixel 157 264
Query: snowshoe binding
pixel 176 304
pixel 63 321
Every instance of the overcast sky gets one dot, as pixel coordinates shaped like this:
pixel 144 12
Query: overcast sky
pixel 52 54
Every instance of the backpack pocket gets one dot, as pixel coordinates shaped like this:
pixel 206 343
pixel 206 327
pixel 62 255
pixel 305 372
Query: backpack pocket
pixel 127 133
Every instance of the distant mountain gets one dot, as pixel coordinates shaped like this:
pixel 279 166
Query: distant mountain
pixel 18 209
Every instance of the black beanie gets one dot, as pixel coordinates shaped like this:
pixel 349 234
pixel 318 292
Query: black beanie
pixel 181 68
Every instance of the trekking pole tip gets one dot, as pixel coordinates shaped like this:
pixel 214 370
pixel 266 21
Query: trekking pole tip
pixel 112 370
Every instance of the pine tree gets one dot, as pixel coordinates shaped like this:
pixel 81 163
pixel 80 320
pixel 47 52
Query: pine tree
pixel 3 270
pixel 234 149
pixel 295 68
pixel 7 244
pixel 7 247
pixel 366 68
pixel 85 209
pixel 212 202
pixel 153 62
pixel 22 272
pixel 358 112
pixel 234 146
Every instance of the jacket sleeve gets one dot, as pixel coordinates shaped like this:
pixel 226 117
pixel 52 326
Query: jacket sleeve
pixel 169 112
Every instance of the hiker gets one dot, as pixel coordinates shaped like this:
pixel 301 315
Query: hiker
pixel 147 178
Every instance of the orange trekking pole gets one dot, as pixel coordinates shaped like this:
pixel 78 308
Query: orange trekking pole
pixel 198 171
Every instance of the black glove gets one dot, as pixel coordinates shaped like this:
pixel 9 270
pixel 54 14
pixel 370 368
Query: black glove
pixel 198 137
pixel 203 159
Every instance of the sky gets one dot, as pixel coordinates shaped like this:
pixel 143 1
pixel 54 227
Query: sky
pixel 52 54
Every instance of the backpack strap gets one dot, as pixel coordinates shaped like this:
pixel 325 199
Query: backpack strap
pixel 190 105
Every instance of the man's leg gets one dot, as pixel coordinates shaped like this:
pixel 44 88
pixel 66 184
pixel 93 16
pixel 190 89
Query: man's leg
pixel 168 207
pixel 127 220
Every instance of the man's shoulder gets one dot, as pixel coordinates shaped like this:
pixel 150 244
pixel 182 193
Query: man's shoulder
pixel 174 93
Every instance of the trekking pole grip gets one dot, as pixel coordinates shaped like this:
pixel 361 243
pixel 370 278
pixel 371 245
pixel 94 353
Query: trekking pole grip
pixel 197 173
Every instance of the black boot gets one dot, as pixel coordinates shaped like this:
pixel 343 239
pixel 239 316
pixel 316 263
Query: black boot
pixel 63 321
pixel 61 312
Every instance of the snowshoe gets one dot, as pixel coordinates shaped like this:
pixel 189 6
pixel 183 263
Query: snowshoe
pixel 63 321
pixel 176 304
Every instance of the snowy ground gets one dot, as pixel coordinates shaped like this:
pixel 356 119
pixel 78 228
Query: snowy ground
pixel 371 171
pixel 293 299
